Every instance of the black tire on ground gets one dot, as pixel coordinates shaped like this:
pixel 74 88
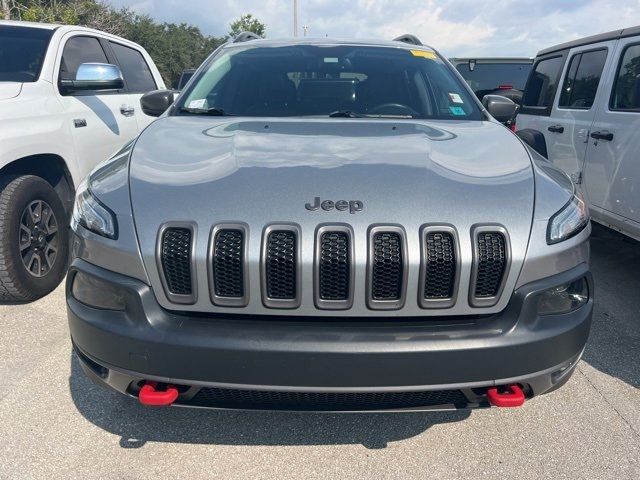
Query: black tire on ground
pixel 30 201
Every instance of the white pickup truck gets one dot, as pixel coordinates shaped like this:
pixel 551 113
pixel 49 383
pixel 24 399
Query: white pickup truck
pixel 69 98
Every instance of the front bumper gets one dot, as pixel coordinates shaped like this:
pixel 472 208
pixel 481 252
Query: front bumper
pixel 297 363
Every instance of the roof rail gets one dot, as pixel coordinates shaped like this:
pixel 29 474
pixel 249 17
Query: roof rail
pixel 408 38
pixel 246 36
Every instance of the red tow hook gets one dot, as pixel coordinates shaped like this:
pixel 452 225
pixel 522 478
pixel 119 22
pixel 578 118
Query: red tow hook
pixel 151 397
pixel 512 397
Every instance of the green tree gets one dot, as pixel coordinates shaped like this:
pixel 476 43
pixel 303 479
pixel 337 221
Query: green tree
pixel 247 23
pixel 173 47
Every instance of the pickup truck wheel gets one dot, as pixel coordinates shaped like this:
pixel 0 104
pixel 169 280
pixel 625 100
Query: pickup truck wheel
pixel 33 238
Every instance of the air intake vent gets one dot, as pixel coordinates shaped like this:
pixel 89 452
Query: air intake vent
pixel 440 268
pixel 176 263
pixel 387 268
pixel 325 401
pixel 490 265
pixel 281 263
pixel 334 268
pixel 228 275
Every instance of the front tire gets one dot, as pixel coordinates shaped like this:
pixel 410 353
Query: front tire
pixel 34 238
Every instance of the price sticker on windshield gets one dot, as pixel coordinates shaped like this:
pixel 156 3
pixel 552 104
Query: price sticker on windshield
pixel 424 54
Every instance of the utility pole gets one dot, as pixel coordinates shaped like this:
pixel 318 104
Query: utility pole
pixel 295 18
pixel 5 10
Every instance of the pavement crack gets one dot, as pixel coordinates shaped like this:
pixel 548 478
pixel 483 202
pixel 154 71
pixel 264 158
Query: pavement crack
pixel 595 387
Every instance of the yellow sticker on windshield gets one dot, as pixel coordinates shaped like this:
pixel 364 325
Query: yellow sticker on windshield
pixel 424 54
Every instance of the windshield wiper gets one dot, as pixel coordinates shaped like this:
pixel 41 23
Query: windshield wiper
pixel 213 111
pixel 345 114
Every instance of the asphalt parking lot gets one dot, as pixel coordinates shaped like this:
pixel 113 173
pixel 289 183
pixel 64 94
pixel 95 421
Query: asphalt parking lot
pixel 54 423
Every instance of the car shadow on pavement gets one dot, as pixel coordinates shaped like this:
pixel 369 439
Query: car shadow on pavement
pixel 136 425
pixel 614 343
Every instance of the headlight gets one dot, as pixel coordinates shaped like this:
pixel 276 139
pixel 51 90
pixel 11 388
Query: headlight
pixel 569 221
pixel 93 215
pixel 564 298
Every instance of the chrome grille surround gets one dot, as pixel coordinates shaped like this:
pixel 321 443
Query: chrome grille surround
pixel 284 303
pixel 180 298
pixel 412 265
pixel 386 304
pixel 488 301
pixel 450 301
pixel 333 304
pixel 216 298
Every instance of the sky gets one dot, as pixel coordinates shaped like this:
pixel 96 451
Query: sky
pixel 454 27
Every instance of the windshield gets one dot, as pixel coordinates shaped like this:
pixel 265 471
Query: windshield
pixel 487 77
pixel 22 50
pixel 315 80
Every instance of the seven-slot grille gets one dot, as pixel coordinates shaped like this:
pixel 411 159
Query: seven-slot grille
pixel 387 266
pixel 281 265
pixel 175 258
pixel 491 263
pixel 334 266
pixel 440 268
pixel 228 263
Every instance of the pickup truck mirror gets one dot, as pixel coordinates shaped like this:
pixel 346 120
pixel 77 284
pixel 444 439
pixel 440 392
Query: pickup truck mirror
pixel 501 108
pixel 95 77
pixel 155 103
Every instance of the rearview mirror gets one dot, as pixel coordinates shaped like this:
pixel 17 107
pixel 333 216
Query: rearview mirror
pixel 157 102
pixel 500 108
pixel 95 77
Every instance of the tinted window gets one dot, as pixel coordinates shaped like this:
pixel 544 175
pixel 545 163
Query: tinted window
pixel 304 80
pixel 184 78
pixel 541 87
pixel 79 50
pixel 583 76
pixel 22 51
pixel 626 93
pixel 487 77
pixel 134 69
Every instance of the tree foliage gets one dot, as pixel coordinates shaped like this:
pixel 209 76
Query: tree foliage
pixel 172 46
pixel 247 23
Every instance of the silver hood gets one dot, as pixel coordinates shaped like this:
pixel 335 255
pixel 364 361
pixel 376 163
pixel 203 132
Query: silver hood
pixel 260 172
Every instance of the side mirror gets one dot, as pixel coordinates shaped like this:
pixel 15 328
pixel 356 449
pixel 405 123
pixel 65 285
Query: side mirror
pixel 500 108
pixel 157 102
pixel 95 77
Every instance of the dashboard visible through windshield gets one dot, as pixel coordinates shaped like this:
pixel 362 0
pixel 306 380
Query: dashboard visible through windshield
pixel 329 80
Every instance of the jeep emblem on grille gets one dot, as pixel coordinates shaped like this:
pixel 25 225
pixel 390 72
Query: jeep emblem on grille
pixel 353 206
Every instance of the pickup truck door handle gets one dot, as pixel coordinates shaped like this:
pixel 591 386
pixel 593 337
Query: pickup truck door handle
pixel 127 111
pixel 556 129
pixel 603 135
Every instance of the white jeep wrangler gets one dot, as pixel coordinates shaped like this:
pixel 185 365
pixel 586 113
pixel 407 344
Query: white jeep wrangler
pixel 68 100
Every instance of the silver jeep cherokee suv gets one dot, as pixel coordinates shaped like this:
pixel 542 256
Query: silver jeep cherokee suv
pixel 331 226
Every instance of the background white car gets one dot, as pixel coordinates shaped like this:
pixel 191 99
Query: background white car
pixel 69 98
pixel 581 109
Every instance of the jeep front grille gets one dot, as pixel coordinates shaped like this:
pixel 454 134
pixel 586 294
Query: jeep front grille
pixel 440 269
pixel 281 264
pixel 176 262
pixel 227 262
pixel 334 267
pixel 490 264
pixel 387 268
pixel 335 272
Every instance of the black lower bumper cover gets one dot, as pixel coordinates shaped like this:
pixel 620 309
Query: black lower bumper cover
pixel 241 361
